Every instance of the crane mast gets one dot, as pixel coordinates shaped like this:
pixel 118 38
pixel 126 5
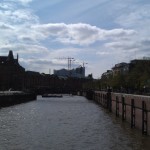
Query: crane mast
pixel 69 61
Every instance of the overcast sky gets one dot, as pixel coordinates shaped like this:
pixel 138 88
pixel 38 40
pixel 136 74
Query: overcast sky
pixel 101 33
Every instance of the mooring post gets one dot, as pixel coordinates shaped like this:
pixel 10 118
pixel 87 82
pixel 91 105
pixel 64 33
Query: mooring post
pixel 144 118
pixel 132 114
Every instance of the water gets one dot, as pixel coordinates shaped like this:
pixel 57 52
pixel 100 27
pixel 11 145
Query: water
pixel 68 123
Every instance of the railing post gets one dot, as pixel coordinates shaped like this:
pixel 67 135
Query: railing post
pixel 144 118
pixel 109 101
pixel 117 106
pixel 123 109
pixel 132 114
pixel 105 100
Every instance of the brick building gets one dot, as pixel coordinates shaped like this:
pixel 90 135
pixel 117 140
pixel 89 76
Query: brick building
pixel 14 77
pixel 11 73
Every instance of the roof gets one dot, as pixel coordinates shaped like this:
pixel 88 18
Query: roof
pixel 120 65
pixel 33 73
pixel 3 58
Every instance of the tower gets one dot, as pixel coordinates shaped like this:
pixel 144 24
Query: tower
pixel 17 57
pixel 10 57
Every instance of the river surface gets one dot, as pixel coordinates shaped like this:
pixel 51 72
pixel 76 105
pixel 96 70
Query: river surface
pixel 68 123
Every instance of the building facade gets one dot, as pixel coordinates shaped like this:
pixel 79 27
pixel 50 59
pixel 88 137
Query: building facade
pixel 121 68
pixel 14 77
pixel 76 73
pixel 11 73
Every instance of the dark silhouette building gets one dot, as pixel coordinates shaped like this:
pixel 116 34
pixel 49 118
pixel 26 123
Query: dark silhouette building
pixel 14 77
pixel 11 73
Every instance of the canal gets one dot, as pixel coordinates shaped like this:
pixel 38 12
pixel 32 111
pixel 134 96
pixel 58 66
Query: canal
pixel 68 123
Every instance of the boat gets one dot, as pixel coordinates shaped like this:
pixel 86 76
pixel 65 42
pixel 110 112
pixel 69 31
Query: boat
pixel 52 95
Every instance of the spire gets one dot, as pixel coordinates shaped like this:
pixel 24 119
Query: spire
pixel 10 57
pixel 17 57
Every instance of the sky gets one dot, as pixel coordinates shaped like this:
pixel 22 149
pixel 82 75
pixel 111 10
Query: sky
pixel 98 33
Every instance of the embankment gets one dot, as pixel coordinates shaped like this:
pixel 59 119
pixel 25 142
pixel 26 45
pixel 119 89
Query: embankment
pixel 12 98
pixel 134 109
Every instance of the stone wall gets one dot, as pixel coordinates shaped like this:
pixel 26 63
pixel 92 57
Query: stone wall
pixel 15 98
pixel 134 109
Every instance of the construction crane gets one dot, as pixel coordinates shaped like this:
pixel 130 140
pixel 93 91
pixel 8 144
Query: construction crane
pixel 84 63
pixel 69 60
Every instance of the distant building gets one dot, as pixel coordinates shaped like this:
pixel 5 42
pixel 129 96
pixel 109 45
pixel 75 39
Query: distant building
pixel 77 73
pixel 61 73
pixel 11 73
pixel 146 58
pixel 107 74
pixel 145 61
pixel 32 79
pixel 121 68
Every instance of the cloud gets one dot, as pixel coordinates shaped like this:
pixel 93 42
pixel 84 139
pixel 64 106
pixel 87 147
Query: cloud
pixel 23 2
pixel 15 23
pixel 38 44
pixel 26 29
pixel 6 5
pixel 41 59
pixel 81 34
pixel 136 17
pixel 25 50
pixel 65 52
pixel 23 16
pixel 122 45
pixel 103 53
pixel 138 42
pixel 5 27
pixel 15 13
pixel 119 33
pixel 42 64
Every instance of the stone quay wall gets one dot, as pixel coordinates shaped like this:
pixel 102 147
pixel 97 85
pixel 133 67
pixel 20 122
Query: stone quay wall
pixel 134 109
pixel 12 98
